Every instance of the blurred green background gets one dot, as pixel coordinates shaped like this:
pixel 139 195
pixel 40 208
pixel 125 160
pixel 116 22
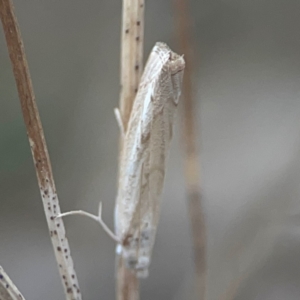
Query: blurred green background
pixel 247 95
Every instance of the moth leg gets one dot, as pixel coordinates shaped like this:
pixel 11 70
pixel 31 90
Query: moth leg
pixel 98 219
pixel 120 121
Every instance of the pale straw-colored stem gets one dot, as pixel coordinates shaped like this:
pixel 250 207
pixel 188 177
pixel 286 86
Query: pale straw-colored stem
pixel 190 136
pixel 127 287
pixel 8 290
pixel 39 151
pixel 132 40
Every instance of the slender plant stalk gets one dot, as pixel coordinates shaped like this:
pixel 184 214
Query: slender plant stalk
pixel 192 170
pixel 8 290
pixel 132 38
pixel 132 42
pixel 39 150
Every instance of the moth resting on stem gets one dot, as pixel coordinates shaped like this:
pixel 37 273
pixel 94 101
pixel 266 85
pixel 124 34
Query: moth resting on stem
pixel 143 159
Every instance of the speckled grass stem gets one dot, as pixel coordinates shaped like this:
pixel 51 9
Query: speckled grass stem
pixel 39 150
pixel 8 290
pixel 190 136
pixel 132 38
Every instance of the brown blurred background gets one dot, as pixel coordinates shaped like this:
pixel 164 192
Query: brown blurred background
pixel 247 92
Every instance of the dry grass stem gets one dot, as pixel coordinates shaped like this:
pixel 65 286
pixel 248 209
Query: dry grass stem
pixel 131 54
pixel 39 150
pixel 127 282
pixel 190 136
pixel 132 38
pixel 8 290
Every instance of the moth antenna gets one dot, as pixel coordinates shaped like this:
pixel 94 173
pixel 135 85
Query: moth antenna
pixel 120 121
pixel 98 219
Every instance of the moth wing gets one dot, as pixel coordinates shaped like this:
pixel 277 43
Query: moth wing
pixel 135 146
pixel 145 216
pixel 144 156
pixel 132 161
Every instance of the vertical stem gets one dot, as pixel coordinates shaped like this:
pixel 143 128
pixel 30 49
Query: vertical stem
pixel 39 150
pixel 131 70
pixel 192 171
pixel 127 282
pixel 131 54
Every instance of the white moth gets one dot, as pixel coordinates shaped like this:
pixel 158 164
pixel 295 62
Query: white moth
pixel 143 159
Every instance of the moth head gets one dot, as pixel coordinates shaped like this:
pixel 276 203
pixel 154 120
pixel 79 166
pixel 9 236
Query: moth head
pixel 176 63
pixel 176 67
